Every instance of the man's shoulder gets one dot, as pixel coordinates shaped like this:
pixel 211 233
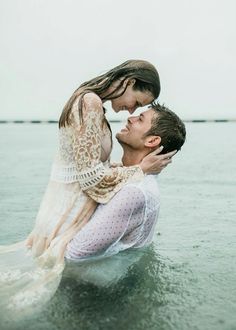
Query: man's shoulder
pixel 149 182
pixel 148 185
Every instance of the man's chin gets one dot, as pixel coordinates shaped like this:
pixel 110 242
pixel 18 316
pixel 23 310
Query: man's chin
pixel 119 138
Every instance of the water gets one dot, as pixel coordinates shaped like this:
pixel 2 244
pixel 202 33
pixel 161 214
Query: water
pixel 185 280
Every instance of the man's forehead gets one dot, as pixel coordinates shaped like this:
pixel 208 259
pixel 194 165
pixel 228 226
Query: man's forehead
pixel 148 114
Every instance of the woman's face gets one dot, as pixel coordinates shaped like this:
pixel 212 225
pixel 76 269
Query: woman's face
pixel 131 100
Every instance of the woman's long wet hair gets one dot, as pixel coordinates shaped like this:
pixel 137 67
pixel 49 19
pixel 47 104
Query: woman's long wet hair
pixel 146 80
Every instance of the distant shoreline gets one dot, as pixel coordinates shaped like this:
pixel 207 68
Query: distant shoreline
pixel 113 121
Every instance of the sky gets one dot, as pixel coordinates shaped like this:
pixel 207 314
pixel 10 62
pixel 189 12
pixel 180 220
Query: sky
pixel 49 47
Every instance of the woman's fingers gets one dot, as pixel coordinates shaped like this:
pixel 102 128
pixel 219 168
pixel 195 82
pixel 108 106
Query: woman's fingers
pixel 154 162
pixel 166 162
pixel 163 160
pixel 170 154
pixel 156 151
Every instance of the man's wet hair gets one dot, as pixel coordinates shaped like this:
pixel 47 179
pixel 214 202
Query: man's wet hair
pixel 167 125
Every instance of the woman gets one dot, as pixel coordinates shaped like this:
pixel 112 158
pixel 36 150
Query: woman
pixel 81 175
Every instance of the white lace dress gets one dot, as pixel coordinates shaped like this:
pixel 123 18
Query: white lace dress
pixel 80 177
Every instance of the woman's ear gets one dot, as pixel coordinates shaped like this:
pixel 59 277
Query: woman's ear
pixel 152 141
pixel 129 82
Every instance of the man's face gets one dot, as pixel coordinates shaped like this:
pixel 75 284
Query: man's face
pixel 133 133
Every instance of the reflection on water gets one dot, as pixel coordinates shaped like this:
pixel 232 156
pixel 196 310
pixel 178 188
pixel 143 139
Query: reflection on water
pixel 122 301
pixel 129 297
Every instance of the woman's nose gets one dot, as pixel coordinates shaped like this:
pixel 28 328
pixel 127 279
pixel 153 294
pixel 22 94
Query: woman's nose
pixel 131 110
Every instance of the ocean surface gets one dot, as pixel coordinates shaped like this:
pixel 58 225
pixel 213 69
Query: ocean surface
pixel 185 280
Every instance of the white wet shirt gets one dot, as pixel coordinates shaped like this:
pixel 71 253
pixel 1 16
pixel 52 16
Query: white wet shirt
pixel 128 220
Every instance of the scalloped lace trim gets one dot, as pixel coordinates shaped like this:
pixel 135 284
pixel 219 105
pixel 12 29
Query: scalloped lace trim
pixel 70 174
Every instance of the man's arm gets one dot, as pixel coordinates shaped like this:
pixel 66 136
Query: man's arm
pixel 109 224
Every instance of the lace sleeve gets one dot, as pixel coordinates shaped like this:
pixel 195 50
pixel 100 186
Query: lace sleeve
pixel 99 182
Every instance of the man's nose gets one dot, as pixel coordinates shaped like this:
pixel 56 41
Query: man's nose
pixel 132 119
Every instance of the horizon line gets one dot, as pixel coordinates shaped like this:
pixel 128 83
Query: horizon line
pixel 51 121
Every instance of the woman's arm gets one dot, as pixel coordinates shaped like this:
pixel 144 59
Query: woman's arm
pixel 99 182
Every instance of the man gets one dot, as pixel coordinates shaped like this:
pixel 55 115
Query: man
pixel 129 219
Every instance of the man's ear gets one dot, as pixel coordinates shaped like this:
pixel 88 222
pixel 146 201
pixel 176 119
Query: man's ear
pixel 152 141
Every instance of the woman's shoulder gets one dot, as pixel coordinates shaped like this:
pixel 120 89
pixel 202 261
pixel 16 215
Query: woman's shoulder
pixel 92 99
pixel 91 104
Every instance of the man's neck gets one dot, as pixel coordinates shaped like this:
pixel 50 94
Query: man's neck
pixel 132 157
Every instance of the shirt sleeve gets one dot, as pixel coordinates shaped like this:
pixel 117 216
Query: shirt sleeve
pixel 100 183
pixel 109 224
